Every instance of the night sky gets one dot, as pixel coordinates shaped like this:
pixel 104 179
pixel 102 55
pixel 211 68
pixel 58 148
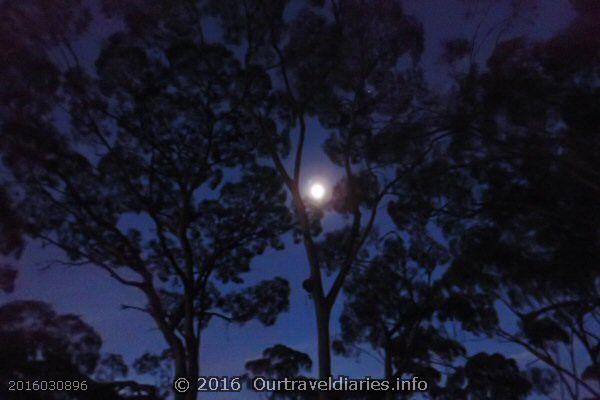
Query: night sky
pixel 225 348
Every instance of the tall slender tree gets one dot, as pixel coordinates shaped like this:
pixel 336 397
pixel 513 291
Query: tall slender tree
pixel 350 66
pixel 142 168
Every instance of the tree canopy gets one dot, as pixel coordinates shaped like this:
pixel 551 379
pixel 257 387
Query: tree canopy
pixel 172 155
pixel 39 345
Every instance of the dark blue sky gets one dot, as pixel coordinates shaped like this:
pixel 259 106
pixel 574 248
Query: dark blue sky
pixel 225 348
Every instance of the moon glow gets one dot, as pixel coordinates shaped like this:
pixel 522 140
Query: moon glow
pixel 317 191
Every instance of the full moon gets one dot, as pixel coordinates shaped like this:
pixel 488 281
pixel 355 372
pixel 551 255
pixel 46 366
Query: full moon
pixel 317 191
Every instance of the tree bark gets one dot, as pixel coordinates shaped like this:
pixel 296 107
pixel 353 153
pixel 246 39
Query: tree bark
pixel 191 347
pixel 323 343
pixel 323 337
pixel 322 303
pixel 389 371
pixel 322 307
pixel 193 362
pixel 180 372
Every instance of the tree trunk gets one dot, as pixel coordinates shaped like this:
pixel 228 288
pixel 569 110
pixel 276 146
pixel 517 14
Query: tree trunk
pixel 389 371
pixel 191 346
pixel 323 343
pixel 175 344
pixel 322 306
pixel 323 340
pixel 193 362
pixel 180 372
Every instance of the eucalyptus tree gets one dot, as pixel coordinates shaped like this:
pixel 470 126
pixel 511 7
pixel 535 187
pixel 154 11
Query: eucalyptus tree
pixel 281 362
pixel 140 166
pixel 393 304
pixel 398 305
pixel 349 70
pixel 344 74
pixel 41 349
pixel 532 242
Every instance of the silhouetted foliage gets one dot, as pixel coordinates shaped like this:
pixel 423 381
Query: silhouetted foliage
pixel 37 344
pixel 142 178
pixel 392 304
pixel 351 66
pixel 487 377
pixel 533 242
pixel 280 362
pixel 397 304
pixel 170 155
